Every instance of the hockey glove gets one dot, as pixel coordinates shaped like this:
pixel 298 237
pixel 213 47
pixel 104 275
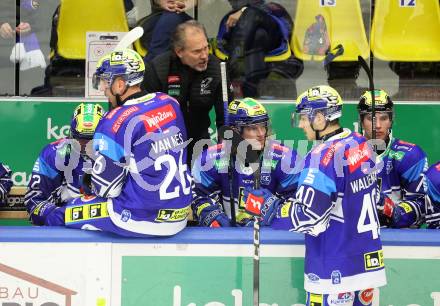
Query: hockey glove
pixel 40 212
pixel 210 215
pixel 405 214
pixel 262 203
pixel 385 208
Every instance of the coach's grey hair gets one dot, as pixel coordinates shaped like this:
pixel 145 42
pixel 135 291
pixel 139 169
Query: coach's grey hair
pixel 178 37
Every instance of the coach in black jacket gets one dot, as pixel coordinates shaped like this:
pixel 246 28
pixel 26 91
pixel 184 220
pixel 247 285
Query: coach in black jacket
pixel 192 76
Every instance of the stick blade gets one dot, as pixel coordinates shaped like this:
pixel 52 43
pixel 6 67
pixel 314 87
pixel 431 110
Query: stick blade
pixel 129 38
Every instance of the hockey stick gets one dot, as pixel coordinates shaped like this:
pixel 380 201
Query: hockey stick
pixel 256 262
pixel 129 38
pixel 367 69
pixel 224 92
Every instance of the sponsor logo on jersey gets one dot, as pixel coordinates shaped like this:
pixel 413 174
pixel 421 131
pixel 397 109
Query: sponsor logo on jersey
pixel 221 163
pixel 328 156
pixel 269 163
pixel 366 296
pixel 86 212
pixel 397 155
pixel 216 147
pixel 341 299
pixel 122 117
pixel 336 277
pixel 357 156
pixel 316 299
pixel 373 260
pixel 112 113
pixel 172 215
pixel 158 117
pixel 279 147
pixel 265 179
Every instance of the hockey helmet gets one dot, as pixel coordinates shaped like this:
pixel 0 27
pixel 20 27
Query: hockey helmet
pixel 127 64
pixel 382 103
pixel 322 98
pixel 247 111
pixel 85 120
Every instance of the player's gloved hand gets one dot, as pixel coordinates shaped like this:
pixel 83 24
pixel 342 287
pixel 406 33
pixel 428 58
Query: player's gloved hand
pixel 405 214
pixel 385 208
pixel 39 213
pixel 211 215
pixel 261 202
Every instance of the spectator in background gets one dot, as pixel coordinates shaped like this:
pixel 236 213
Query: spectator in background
pixel 26 50
pixel 191 75
pixel 401 166
pixel 433 196
pixel 215 178
pixel 59 173
pixel 165 16
pixel 5 182
pixel 250 32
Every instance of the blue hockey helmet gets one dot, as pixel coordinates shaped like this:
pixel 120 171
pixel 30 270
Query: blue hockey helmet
pixel 127 64
pixel 85 120
pixel 323 99
pixel 247 111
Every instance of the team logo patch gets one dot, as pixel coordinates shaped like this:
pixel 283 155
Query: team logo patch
pixel 373 260
pixel 341 299
pixel 173 78
pixel 366 296
pixel 336 277
pixel 158 117
pixel 125 215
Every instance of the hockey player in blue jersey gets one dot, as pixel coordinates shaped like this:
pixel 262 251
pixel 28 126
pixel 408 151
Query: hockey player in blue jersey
pixel 139 175
pixel 215 176
pixel 433 196
pixel 5 183
pixel 401 166
pixel 59 171
pixel 334 206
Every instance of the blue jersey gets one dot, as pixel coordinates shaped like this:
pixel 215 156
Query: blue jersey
pixel 56 175
pixel 279 174
pixel 401 176
pixel 5 182
pixel 335 205
pixel 141 165
pixel 433 198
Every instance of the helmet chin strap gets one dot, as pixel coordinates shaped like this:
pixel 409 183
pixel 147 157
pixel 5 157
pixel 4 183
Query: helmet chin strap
pixel 118 96
pixel 317 131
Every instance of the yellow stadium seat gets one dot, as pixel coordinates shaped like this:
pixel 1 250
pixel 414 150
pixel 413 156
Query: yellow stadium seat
pixel 344 25
pixel 408 33
pixel 140 48
pixel 80 16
